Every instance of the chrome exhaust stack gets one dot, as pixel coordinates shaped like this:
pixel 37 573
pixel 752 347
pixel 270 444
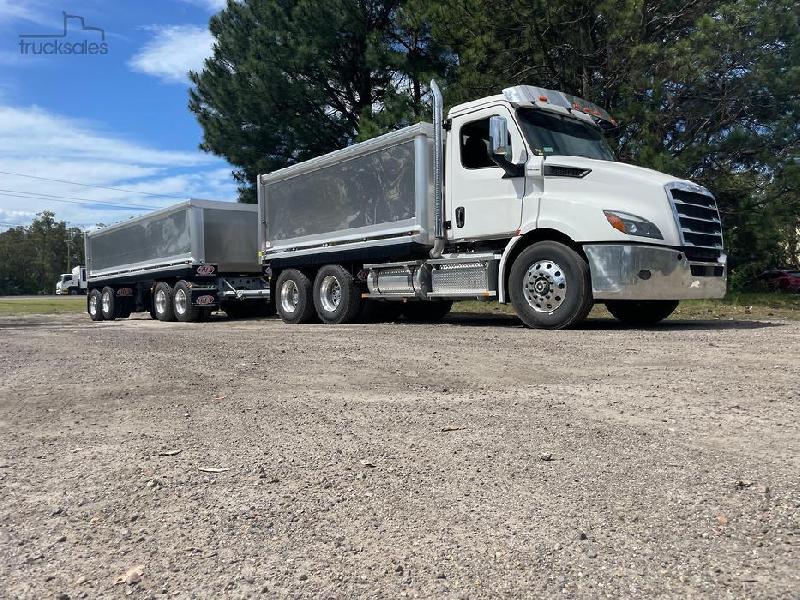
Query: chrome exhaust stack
pixel 438 172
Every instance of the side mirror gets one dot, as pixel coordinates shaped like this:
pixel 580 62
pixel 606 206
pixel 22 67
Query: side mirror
pixel 500 148
pixel 498 137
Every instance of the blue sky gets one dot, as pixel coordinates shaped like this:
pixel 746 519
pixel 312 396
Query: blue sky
pixel 118 119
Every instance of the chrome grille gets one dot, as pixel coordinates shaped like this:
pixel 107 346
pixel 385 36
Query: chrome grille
pixel 698 219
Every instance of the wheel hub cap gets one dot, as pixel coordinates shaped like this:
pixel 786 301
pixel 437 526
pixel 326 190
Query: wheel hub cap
pixel 161 301
pixel 330 293
pixel 290 296
pixel 180 302
pixel 545 286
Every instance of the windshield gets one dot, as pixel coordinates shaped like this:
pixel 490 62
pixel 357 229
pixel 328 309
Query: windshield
pixel 552 134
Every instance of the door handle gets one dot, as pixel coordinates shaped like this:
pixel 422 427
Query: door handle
pixel 460 216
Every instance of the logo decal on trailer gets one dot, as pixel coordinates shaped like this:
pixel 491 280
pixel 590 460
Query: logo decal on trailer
pixel 206 270
pixel 206 299
pixel 125 292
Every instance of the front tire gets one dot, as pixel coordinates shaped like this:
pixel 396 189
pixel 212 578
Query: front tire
pixel 162 302
pixel 550 287
pixel 93 304
pixel 182 305
pixel 294 300
pixel 641 312
pixel 108 303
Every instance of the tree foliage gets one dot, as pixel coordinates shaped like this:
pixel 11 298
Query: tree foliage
pixel 293 79
pixel 32 258
pixel 708 90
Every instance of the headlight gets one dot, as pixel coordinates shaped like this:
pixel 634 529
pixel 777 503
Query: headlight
pixel 632 225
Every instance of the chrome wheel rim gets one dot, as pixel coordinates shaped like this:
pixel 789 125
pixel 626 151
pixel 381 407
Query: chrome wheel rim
pixel 330 293
pixel 106 299
pixel 161 302
pixel 290 296
pixel 545 286
pixel 181 301
pixel 93 305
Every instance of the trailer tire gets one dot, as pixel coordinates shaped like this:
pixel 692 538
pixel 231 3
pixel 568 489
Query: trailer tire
pixel 550 286
pixel 162 302
pixel 93 304
pixel 182 305
pixel 336 295
pixel 108 303
pixel 73 292
pixel 641 312
pixel 294 300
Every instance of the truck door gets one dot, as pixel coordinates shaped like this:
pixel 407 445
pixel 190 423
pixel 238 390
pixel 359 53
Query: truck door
pixel 481 203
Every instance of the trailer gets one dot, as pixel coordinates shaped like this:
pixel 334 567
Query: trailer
pixel 179 263
pixel 514 197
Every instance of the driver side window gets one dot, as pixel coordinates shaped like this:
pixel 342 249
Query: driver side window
pixel 474 145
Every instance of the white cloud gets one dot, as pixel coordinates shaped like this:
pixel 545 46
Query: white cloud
pixel 47 145
pixel 173 52
pixel 30 10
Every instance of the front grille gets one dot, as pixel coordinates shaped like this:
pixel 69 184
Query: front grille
pixel 698 219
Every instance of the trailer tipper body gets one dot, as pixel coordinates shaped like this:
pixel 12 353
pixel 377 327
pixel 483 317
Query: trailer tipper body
pixel 515 197
pixel 181 263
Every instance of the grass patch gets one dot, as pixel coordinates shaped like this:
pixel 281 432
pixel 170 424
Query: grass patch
pixel 44 305
pixel 743 306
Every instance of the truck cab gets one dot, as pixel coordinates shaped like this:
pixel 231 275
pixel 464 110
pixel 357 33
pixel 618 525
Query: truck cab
pixel 532 163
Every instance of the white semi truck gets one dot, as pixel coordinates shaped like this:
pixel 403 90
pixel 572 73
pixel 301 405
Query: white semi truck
pixel 73 283
pixel 514 197
pixel 179 263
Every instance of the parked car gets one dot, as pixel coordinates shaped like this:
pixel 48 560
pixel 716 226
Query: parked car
pixel 785 280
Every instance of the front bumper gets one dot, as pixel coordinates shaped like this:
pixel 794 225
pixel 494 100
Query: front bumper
pixel 640 272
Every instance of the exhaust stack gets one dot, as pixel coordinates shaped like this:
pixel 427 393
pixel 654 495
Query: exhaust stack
pixel 438 171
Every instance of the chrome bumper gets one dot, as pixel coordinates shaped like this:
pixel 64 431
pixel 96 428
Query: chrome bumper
pixel 629 272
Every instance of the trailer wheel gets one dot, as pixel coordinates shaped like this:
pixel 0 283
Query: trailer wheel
pixel 427 311
pixel 108 303
pixel 641 312
pixel 294 302
pixel 182 305
pixel 336 296
pixel 93 305
pixel 162 301
pixel 550 287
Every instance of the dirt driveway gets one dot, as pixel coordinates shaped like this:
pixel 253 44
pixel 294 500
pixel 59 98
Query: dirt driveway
pixel 469 459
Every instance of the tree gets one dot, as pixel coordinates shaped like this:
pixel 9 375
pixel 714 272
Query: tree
pixel 33 257
pixel 293 79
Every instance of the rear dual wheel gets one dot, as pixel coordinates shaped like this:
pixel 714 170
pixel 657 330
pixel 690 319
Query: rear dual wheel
pixel 294 301
pixel 93 305
pixel 334 296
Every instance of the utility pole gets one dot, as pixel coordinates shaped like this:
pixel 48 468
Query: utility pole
pixel 69 254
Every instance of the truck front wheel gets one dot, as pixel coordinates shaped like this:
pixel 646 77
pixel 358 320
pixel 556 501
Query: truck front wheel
pixel 336 296
pixel 294 301
pixel 641 312
pixel 94 303
pixel 182 305
pixel 550 287
pixel 162 301
pixel 108 302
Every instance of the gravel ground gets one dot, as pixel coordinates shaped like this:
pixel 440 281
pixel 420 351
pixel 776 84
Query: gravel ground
pixel 464 460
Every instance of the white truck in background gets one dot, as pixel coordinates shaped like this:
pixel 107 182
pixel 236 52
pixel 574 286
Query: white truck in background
pixel 514 197
pixel 73 283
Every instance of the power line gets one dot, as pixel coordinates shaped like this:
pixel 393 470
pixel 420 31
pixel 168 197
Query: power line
pixel 99 187
pixel 88 200
pixel 120 206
